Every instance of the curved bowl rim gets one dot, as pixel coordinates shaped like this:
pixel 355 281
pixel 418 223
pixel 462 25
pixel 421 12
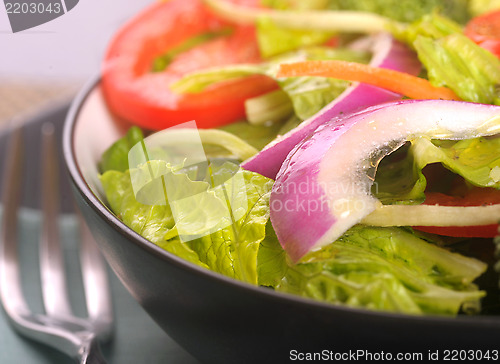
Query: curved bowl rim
pixel 100 209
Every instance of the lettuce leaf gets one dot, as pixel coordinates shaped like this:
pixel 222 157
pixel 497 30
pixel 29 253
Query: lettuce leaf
pixel 274 40
pixel 272 263
pixel 402 10
pixel 370 267
pixel 307 94
pixel 478 7
pixel 452 60
pixel 257 136
pixel 402 181
pixel 399 179
pixel 476 160
pixel 434 26
pixel 116 156
pixel 386 269
pixel 227 245
pixel 233 250
pixel 458 63
pixel 310 94
pixel 151 221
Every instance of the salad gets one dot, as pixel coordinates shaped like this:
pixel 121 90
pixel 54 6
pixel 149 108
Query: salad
pixel 344 151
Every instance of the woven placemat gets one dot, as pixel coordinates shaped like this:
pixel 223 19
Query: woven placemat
pixel 22 99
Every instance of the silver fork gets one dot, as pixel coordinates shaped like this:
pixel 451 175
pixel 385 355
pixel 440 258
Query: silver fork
pixel 58 326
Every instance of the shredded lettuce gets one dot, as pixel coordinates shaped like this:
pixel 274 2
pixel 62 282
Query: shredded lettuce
pixel 198 81
pixel 380 269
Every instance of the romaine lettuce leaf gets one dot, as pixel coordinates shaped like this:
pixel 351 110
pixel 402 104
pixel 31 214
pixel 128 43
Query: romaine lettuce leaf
pixel 257 136
pixel 433 26
pixel 477 160
pixel 151 221
pixel 229 245
pixel 272 263
pixel 233 250
pixel 453 60
pixel 116 156
pixel 371 267
pixel 399 179
pixel 386 269
pixel 274 40
pixel 310 94
pixel 307 94
pixel 402 10
pixel 458 63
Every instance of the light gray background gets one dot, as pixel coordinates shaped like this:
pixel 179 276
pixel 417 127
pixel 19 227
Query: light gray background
pixel 48 64
pixel 68 48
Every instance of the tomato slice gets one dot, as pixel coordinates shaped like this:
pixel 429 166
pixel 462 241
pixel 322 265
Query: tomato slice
pixel 474 197
pixel 485 31
pixel 140 96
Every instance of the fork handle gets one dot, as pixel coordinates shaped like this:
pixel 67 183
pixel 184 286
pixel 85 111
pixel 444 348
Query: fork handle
pixel 92 353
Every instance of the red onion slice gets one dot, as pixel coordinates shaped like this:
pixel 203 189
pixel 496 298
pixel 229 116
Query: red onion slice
pixel 388 53
pixel 323 188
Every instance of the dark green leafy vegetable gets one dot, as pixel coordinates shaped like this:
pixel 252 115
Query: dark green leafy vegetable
pixel 116 157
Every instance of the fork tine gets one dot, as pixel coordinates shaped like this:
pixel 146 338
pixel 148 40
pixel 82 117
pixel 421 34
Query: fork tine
pixel 52 272
pixel 58 328
pixel 96 284
pixel 11 293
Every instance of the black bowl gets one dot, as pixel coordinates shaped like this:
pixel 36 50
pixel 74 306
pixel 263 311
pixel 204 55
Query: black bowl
pixel 221 320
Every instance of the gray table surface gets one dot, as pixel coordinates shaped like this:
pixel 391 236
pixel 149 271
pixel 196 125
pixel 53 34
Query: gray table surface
pixel 137 339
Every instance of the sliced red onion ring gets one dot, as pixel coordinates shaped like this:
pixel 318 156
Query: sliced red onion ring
pixel 388 53
pixel 323 188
